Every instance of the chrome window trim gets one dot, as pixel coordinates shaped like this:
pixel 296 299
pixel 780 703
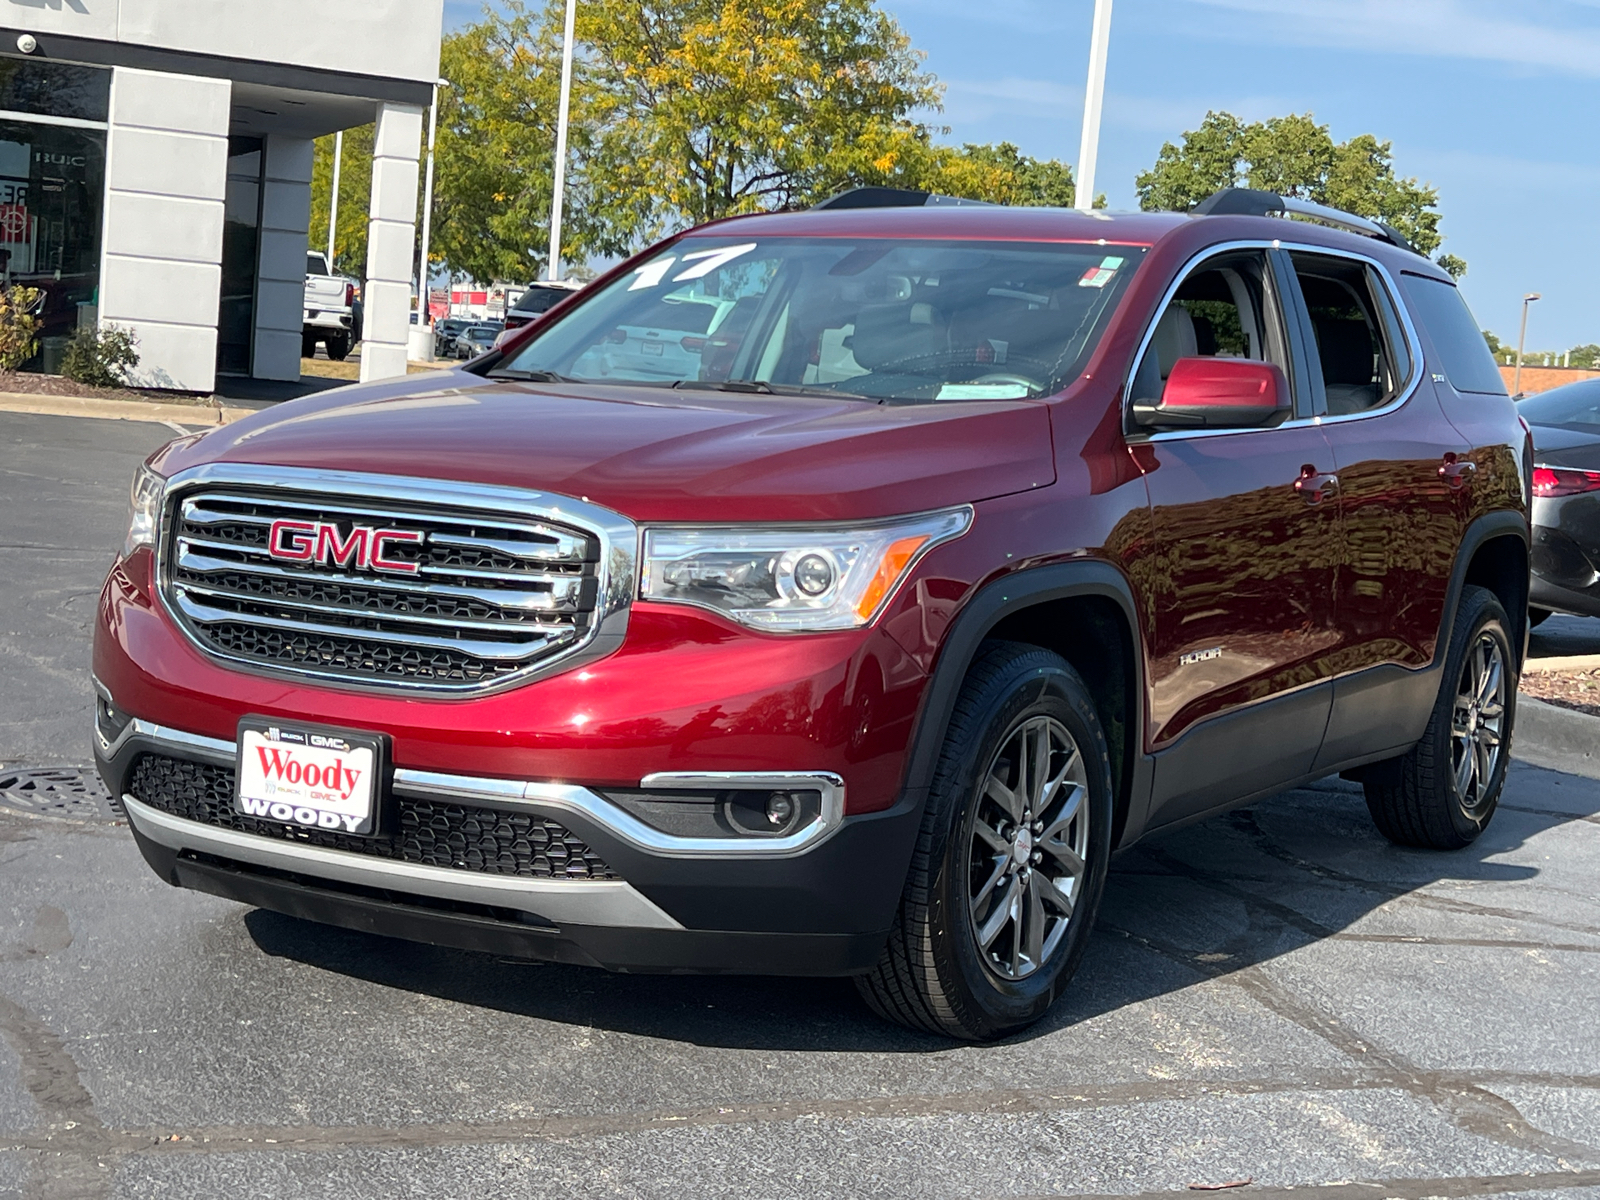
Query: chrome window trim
pixel 1413 343
pixel 609 902
pixel 616 571
pixel 524 796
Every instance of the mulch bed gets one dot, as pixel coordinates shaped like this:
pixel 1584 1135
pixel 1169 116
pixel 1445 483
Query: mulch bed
pixel 33 384
pixel 1579 690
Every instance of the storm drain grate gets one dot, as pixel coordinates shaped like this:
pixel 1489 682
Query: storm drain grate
pixel 74 793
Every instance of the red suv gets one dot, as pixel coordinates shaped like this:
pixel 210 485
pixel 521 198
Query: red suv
pixel 832 592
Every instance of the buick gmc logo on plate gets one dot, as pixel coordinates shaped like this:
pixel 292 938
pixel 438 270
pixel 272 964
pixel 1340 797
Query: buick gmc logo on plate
pixel 364 547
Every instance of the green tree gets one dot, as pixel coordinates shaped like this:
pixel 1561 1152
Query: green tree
pixel 1002 174
pixel 1496 346
pixel 355 199
pixel 716 107
pixel 1586 356
pixel 1294 156
pixel 494 173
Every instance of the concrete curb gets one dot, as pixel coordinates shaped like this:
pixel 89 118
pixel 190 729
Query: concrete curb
pixel 1570 662
pixel 1562 738
pixel 194 416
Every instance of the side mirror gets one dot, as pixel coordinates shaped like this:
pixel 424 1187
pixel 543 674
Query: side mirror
pixel 1217 393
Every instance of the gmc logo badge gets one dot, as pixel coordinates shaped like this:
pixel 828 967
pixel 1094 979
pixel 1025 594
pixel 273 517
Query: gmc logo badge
pixel 321 542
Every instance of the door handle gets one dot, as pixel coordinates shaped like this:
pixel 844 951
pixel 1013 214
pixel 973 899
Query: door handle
pixel 1457 471
pixel 1315 487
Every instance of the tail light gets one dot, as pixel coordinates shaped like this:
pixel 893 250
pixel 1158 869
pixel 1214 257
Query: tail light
pixel 349 293
pixel 1564 481
pixel 513 321
pixel 693 344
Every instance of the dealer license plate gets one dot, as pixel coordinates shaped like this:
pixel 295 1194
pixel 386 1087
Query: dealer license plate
pixel 308 776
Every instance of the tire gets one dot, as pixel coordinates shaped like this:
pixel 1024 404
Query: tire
pixel 338 346
pixel 936 972
pixel 1537 616
pixel 308 345
pixel 1435 799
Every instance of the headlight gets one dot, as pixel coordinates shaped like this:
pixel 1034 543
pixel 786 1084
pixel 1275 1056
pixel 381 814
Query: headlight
pixel 147 489
pixel 801 578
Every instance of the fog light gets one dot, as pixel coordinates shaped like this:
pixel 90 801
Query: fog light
pixel 780 809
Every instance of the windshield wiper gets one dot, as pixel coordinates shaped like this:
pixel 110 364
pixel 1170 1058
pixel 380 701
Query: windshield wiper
pixel 726 385
pixel 762 388
pixel 533 376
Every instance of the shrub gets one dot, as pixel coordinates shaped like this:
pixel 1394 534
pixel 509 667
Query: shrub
pixel 101 357
pixel 17 325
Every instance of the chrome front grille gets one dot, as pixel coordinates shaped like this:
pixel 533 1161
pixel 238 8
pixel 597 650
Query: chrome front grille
pixel 494 585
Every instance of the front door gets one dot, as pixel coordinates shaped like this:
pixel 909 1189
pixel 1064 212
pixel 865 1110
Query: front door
pixel 1247 528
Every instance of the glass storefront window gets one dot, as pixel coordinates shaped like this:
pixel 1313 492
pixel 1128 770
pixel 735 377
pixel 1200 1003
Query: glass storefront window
pixel 52 186
pixel 241 236
pixel 55 89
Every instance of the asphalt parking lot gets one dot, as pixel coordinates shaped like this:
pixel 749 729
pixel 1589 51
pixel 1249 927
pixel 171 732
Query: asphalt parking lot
pixel 1275 996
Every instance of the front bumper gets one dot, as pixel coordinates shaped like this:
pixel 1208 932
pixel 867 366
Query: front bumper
pixel 820 905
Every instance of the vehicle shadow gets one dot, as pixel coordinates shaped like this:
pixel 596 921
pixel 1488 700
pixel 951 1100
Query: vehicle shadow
pixel 1217 897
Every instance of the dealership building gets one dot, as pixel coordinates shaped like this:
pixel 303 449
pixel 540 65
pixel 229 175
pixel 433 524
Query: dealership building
pixel 156 164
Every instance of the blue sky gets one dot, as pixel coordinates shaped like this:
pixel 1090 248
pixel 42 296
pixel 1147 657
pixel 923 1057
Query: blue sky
pixel 1491 101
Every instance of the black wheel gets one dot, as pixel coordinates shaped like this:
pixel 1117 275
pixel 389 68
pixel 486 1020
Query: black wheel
pixel 1446 787
pixel 308 345
pixel 1537 616
pixel 338 346
pixel 1011 858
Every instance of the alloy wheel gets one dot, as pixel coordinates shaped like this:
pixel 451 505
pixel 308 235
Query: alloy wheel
pixel 1477 723
pixel 1029 844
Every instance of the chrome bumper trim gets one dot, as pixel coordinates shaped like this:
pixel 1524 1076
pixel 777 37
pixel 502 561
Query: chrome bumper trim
pixel 610 902
pixel 519 795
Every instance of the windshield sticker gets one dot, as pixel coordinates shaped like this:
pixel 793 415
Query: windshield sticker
pixel 983 391
pixel 707 261
pixel 1098 277
pixel 652 273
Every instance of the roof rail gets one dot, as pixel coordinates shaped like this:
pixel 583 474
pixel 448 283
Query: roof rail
pixel 888 197
pixel 1249 202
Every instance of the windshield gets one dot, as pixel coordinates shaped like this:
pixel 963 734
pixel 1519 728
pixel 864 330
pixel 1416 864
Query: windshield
pixel 882 319
pixel 1576 405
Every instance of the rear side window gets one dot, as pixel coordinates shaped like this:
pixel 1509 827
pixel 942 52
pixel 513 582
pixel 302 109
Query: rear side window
pixel 1363 362
pixel 1463 353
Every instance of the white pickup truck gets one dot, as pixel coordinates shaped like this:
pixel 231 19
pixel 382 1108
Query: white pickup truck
pixel 332 310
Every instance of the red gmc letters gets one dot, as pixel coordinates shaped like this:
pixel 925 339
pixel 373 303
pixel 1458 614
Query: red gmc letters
pixel 321 542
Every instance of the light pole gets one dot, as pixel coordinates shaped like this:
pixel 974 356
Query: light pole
pixel 423 310
pixel 1093 94
pixel 333 205
pixel 553 271
pixel 1522 336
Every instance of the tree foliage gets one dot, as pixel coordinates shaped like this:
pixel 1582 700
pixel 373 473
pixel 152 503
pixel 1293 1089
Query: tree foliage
pixel 19 325
pixel 355 197
pixel 1294 156
pixel 713 107
pixel 1585 356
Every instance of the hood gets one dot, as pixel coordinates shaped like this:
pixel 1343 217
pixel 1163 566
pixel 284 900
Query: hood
pixel 654 454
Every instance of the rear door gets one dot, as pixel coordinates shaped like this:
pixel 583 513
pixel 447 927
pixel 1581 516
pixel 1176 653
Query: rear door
pixel 1246 525
pixel 1395 454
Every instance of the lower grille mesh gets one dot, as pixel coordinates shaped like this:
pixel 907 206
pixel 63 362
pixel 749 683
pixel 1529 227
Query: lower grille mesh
pixel 428 832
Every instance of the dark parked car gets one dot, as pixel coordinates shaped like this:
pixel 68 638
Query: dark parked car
pixel 445 332
pixel 539 299
pixel 1566 499
pixel 476 339
pixel 967 545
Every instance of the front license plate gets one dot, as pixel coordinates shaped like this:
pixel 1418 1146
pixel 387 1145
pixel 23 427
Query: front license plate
pixel 307 775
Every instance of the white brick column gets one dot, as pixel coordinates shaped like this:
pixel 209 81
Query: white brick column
pixel 390 233
pixel 281 265
pixel 166 177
